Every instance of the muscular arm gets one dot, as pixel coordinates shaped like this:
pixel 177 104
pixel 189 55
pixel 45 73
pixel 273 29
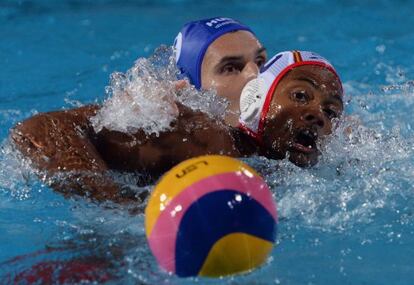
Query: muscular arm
pixel 192 134
pixel 65 143
pixel 60 143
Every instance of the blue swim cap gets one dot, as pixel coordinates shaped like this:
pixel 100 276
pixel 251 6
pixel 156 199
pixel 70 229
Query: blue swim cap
pixel 193 40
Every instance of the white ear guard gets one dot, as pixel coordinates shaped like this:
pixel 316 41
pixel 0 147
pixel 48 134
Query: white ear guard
pixel 257 94
pixel 251 103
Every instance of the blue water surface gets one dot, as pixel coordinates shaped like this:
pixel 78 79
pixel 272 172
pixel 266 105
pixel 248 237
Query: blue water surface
pixel 349 220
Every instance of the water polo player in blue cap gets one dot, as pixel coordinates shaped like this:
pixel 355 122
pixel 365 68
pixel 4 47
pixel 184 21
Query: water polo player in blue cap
pixel 220 54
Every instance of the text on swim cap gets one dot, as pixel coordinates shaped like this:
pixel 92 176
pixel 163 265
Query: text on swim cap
pixel 219 22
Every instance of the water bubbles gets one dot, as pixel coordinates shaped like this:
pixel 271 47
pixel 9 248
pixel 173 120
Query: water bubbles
pixel 141 99
pixel 362 178
pixel 393 74
pixel 360 192
pixel 380 49
pixel 17 177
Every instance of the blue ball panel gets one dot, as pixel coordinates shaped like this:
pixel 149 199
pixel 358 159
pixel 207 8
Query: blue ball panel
pixel 212 217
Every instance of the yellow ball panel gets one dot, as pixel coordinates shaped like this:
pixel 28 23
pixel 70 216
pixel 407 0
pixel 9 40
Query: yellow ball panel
pixel 185 174
pixel 235 253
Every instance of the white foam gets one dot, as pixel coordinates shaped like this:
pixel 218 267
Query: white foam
pixel 144 98
pixel 366 170
pixel 138 99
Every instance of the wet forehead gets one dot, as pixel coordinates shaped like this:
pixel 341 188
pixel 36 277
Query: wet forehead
pixel 321 77
pixel 239 43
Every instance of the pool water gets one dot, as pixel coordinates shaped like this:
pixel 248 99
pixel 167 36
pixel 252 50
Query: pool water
pixel 349 220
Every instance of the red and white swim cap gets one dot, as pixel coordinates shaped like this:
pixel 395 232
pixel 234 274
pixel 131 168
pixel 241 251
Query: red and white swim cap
pixel 257 94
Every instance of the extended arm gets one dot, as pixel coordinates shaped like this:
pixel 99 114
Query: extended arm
pixel 65 143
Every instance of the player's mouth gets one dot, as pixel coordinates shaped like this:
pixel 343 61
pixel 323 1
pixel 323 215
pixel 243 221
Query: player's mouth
pixel 305 141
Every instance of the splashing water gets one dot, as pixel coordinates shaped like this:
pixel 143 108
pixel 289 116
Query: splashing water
pixel 361 189
pixel 362 171
pixel 362 184
pixel 348 220
pixel 144 97
pixel 17 176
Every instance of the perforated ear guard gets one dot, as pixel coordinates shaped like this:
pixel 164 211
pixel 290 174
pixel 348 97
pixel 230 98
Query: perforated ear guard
pixel 252 101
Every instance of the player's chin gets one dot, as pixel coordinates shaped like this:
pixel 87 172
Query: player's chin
pixel 302 159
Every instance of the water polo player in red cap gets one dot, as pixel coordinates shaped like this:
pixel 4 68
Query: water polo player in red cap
pixel 287 110
pixel 292 105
